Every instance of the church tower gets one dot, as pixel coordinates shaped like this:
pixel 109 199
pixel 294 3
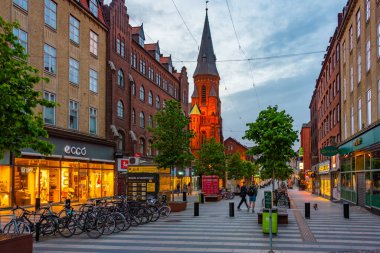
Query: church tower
pixel 205 115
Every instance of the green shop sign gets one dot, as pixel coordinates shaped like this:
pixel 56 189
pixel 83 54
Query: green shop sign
pixel 268 199
pixel 364 140
pixel 329 151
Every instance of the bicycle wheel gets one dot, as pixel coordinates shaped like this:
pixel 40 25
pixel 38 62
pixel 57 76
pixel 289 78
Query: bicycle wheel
pixel 91 227
pixel 16 227
pixel 155 212
pixel 120 222
pixel 49 225
pixel 165 211
pixel 106 224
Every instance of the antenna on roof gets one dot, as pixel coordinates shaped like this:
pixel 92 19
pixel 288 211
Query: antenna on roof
pixel 206 6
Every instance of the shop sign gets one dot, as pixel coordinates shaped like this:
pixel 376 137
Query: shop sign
pixel 71 150
pixel 358 141
pixel 151 187
pixel 323 169
pixel 147 169
pixel 25 170
pixel 122 164
pixel 300 165
pixel 268 199
pixel 329 151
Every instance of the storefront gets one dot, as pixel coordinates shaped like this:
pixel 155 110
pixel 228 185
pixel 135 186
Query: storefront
pixel 360 169
pixel 77 171
pixel 324 179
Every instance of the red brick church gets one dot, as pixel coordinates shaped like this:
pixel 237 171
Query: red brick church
pixel 205 115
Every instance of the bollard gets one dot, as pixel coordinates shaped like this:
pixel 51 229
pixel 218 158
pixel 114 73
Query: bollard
pixel 38 225
pixel 232 209
pixel 307 210
pixel 184 196
pixel 196 208
pixel 202 198
pixel 346 210
pixel 38 204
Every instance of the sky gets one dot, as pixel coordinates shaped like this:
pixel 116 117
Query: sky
pixel 266 31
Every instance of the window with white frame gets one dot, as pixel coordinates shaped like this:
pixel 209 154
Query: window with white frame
pixel 142 120
pixel 150 121
pixel 369 107
pixel 352 119
pixel 352 79
pixel 94 7
pixel 158 102
pixel 150 73
pixel 157 54
pixel 93 43
pixel 51 14
pixel 74 29
pixel 133 117
pixel 22 38
pixel 120 109
pixel 21 3
pixel 150 98
pixel 360 114
pixel 144 68
pixel 368 55
pixel 93 120
pixel 368 10
pixel 74 71
pixel 120 78
pixel 351 38
pixel 141 41
pixel 359 68
pixel 344 89
pixel 49 59
pixel 337 54
pixel 122 48
pixel 165 85
pixel 142 93
pixel 73 114
pixel 344 51
pixel 171 89
pixel 49 112
pixel 149 150
pixel 93 80
pixel 142 146
pixel 133 89
pixel 118 45
pixel 141 66
pixel 358 24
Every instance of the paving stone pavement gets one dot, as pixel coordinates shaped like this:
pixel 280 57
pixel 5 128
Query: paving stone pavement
pixel 215 231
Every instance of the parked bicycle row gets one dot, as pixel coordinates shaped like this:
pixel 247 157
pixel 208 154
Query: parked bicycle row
pixel 96 218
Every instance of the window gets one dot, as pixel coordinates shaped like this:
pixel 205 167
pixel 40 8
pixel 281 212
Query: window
pixel 344 51
pixel 158 102
pixel 133 117
pixel 157 55
pixel 344 89
pixel 150 98
pixel 122 49
pixel 142 120
pixel 142 93
pixel 120 109
pixel 141 41
pixel 360 114
pixel 175 92
pixel 74 71
pixel 118 46
pixel 165 85
pixel 150 73
pixel 74 29
pixel 351 39
pixel 120 78
pixel 171 89
pixel 368 54
pixel 352 79
pixel 149 150
pixel 133 60
pixel 368 10
pixel 358 24
pixel 51 14
pixel 352 120
pixel 73 115
pixel 184 98
pixel 93 80
pixel 49 112
pixel 94 7
pixel 142 145
pixel 21 3
pixel 93 120
pixel 93 43
pixel 141 66
pixel 203 94
pixel 359 68
pixel 133 89
pixel 49 59
pixel 369 107
pixel 22 38
pixel 338 112
pixel 150 121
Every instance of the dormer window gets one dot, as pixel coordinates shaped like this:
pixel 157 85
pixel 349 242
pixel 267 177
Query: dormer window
pixel 94 7
pixel 141 41
pixel 157 55
pixel 170 68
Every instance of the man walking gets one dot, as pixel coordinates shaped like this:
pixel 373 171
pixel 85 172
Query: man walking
pixel 252 193
pixel 243 195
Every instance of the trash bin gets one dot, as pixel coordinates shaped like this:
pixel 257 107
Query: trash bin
pixel 266 221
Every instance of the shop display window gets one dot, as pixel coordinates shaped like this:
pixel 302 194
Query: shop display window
pixel 165 183
pixel 83 185
pixel 375 160
pixel 49 184
pixel 368 184
pixel 5 186
pixel 346 164
pixel 69 181
pixel 25 185
pixel 107 183
pixel 367 163
pixel 359 163
pixel 376 189
pixel 95 183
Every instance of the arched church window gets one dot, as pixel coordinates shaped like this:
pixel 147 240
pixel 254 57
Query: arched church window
pixel 203 94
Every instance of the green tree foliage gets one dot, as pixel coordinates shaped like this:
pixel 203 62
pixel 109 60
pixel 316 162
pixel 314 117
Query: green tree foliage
pixel 235 166
pixel 274 137
pixel 250 169
pixel 211 159
pixel 20 126
pixel 171 136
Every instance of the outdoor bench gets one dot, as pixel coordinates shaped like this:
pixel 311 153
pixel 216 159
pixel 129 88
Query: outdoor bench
pixel 282 216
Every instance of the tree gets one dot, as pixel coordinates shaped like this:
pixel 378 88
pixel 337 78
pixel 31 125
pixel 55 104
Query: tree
pixel 249 168
pixel 235 166
pixel 171 136
pixel 274 137
pixel 211 159
pixel 20 126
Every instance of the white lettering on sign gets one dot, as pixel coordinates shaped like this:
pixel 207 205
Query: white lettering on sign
pixel 75 150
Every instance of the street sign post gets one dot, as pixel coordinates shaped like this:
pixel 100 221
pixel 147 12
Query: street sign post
pixel 267 199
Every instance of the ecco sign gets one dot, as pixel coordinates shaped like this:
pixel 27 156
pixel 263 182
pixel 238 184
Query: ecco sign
pixel 75 150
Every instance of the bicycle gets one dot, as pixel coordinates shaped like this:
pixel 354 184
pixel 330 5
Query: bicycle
pixel 16 226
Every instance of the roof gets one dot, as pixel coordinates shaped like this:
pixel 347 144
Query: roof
pixel 195 92
pixel 135 30
pixel 150 47
pixel 206 58
pixel 84 4
pixel 234 140
pixel 165 60
pixel 212 92
pixel 195 110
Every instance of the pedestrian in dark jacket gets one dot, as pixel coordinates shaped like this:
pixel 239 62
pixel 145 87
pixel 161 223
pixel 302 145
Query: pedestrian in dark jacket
pixel 243 195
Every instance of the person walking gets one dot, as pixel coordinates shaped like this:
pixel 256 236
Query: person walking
pixel 178 188
pixel 189 189
pixel 243 195
pixel 184 188
pixel 252 194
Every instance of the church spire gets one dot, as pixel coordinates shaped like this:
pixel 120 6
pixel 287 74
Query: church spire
pixel 206 57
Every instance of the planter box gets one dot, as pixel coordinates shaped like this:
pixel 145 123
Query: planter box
pixel 213 198
pixel 178 206
pixel 11 243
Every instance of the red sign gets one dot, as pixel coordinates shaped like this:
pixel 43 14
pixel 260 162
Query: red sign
pixel 138 155
pixel 210 185
pixel 124 164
